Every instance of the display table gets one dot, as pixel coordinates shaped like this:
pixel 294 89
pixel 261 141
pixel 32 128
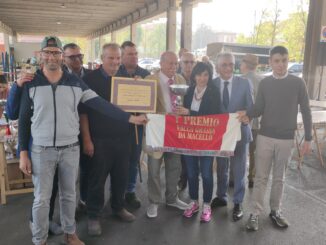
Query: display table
pixel 318 122
pixel 10 186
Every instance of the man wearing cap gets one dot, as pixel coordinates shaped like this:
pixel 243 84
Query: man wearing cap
pixel 48 112
pixel 248 69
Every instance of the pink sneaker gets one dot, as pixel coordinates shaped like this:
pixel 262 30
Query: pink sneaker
pixel 206 214
pixel 189 212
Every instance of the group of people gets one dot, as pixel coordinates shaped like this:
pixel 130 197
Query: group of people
pixel 63 97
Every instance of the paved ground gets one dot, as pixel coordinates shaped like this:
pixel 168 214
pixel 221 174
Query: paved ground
pixel 304 205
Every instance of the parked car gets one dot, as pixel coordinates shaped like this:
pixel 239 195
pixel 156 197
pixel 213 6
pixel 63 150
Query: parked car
pixel 293 68
pixel 149 63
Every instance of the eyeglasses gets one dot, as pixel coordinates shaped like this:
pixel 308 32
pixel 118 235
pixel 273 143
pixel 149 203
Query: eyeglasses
pixel 186 62
pixel 227 65
pixel 48 53
pixel 76 56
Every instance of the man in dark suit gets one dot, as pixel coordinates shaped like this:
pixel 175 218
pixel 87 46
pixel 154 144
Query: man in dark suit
pixel 236 95
pixel 73 63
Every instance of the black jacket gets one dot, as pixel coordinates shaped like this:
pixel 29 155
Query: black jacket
pixel 211 102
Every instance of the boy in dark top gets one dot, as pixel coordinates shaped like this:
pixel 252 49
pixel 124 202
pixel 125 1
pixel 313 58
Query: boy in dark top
pixel 277 103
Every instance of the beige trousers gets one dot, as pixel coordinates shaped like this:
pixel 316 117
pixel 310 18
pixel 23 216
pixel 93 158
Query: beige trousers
pixel 172 173
pixel 271 154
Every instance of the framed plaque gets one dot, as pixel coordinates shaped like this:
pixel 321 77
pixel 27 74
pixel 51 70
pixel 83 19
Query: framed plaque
pixel 134 95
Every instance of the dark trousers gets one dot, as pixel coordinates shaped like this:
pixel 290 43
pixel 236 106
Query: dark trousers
pixel 184 173
pixel 111 156
pixel 84 164
pixel 252 150
pixel 238 168
pixel 134 159
pixel 202 165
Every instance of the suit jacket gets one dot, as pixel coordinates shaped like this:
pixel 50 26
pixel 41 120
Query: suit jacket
pixel 160 106
pixel 241 99
pixel 255 79
pixel 210 104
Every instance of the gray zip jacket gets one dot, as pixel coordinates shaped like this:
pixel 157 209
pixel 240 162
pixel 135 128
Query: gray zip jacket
pixel 49 112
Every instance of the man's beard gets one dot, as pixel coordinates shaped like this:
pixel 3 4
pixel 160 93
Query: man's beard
pixel 52 66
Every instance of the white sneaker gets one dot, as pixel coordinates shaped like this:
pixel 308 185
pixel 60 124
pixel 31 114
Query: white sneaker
pixel 152 210
pixel 179 204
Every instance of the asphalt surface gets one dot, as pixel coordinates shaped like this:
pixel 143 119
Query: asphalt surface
pixel 304 205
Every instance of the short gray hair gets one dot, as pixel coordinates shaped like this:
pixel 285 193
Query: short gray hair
pixel 227 55
pixel 114 46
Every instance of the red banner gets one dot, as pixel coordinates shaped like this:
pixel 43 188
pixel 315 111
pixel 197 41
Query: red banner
pixel 193 135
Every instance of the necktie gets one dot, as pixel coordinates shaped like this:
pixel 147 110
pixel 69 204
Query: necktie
pixel 173 97
pixel 226 98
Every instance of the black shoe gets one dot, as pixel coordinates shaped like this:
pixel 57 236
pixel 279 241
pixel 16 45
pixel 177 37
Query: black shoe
pixel 132 200
pixel 217 202
pixel 278 219
pixel 182 184
pixel 250 184
pixel 81 210
pixel 231 183
pixel 237 212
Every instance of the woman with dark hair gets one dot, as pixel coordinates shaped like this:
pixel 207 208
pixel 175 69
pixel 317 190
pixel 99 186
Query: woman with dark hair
pixel 202 98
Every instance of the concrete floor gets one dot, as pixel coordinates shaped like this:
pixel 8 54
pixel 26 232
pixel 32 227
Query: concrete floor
pixel 304 205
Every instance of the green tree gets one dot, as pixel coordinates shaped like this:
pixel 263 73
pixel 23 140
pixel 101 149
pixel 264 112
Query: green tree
pixel 293 35
pixel 290 32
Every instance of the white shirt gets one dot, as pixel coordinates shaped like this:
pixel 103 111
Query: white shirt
pixel 229 87
pixel 164 84
pixel 195 104
pixel 286 74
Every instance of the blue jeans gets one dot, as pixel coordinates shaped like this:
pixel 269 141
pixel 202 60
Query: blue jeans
pixel 205 164
pixel 45 161
pixel 134 159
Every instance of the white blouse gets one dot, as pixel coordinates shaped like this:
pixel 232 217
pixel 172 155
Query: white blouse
pixel 196 99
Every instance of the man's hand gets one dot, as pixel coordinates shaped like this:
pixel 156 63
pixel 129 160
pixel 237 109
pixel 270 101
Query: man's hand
pixel 242 116
pixel 25 164
pixel 24 77
pixel 180 110
pixel 88 148
pixel 138 120
pixel 306 148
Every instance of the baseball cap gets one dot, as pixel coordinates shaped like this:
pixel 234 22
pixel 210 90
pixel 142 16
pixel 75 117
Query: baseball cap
pixel 51 41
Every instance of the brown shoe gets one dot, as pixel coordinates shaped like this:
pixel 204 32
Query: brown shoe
pixel 72 239
pixel 124 215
